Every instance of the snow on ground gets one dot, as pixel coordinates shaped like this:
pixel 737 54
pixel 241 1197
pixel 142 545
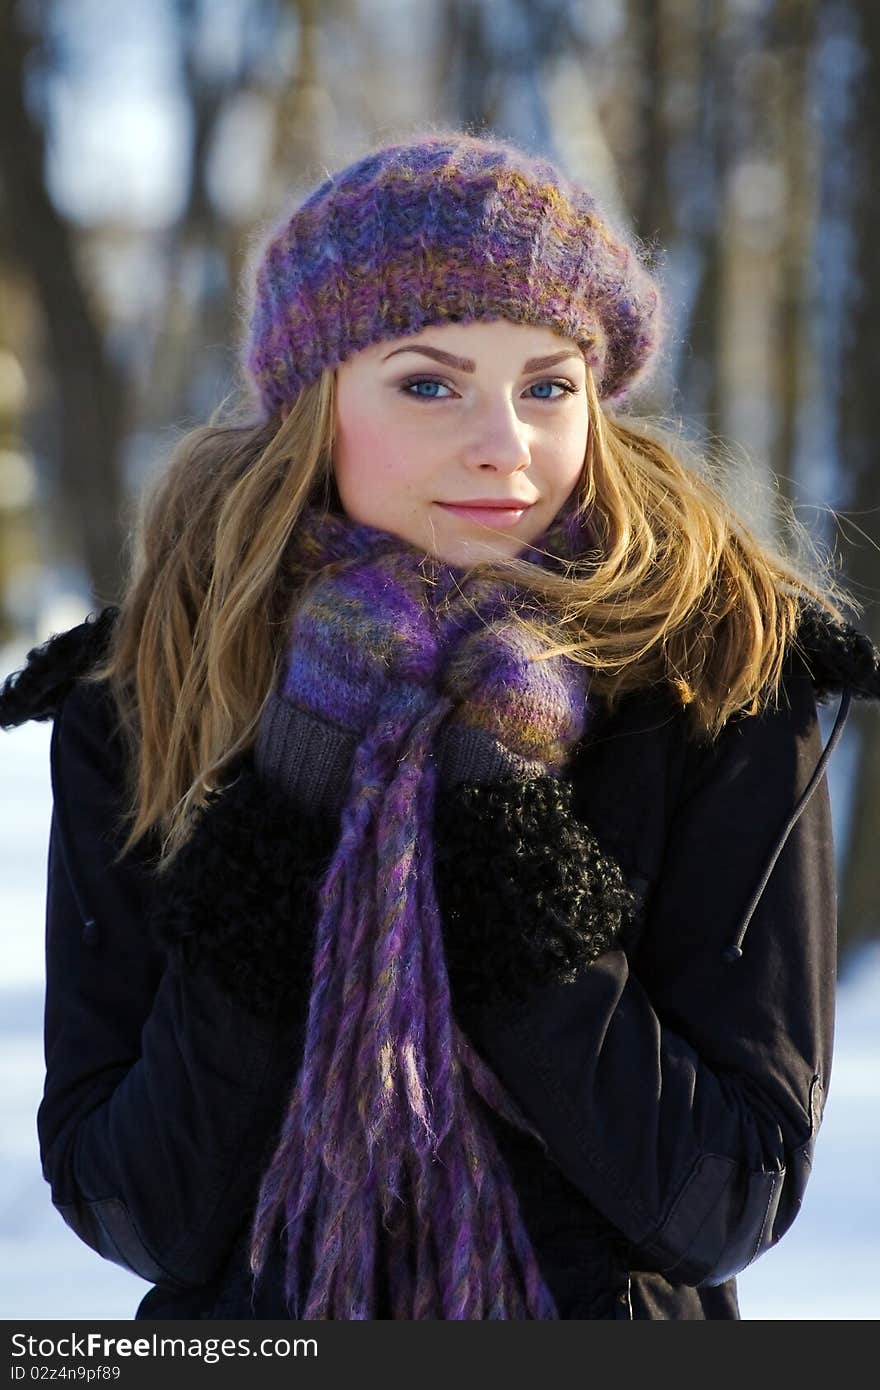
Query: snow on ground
pixel 826 1267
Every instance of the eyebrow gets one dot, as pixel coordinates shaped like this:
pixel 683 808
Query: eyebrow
pixel 467 364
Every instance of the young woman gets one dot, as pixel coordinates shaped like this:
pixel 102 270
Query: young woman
pixel 441 897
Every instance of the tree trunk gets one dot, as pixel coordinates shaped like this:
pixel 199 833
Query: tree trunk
pixel 90 396
pixel 857 432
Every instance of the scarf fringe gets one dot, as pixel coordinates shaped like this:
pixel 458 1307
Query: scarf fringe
pixel 385 1151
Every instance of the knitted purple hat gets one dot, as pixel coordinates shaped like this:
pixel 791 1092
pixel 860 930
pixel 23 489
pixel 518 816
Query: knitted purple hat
pixel 449 228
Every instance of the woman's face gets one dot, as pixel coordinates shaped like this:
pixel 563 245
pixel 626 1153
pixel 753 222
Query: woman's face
pixel 455 414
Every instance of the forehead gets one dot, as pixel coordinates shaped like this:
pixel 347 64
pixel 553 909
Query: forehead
pixel 523 344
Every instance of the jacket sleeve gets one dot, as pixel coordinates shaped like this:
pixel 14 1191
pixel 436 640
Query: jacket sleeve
pixel 173 1020
pixel 678 1089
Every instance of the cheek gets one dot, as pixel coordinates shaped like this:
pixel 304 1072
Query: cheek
pixel 371 450
pixel 573 449
pixel 560 468
pixel 371 468
pixel 357 450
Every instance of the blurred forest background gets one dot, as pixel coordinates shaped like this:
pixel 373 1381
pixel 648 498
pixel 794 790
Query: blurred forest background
pixel 140 143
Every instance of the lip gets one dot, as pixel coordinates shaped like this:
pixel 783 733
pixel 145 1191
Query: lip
pixel 494 514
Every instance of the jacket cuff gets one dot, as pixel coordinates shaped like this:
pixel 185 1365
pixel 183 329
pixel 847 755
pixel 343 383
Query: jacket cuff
pixel 303 756
pixel 464 754
pixel 525 892
pixel 239 900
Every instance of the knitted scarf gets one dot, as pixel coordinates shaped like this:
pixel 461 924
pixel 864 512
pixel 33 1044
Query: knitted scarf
pixel 386 1169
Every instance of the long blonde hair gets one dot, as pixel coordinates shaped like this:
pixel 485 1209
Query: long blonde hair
pixel 679 591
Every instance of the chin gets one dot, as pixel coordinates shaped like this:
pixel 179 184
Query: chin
pixel 473 552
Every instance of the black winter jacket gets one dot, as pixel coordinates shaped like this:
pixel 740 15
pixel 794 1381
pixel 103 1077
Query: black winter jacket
pixel 643 950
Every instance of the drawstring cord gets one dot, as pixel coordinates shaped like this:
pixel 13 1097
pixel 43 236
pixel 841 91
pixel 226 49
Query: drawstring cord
pixel 734 951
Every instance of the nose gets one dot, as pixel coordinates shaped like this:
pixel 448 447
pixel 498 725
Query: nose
pixel 499 444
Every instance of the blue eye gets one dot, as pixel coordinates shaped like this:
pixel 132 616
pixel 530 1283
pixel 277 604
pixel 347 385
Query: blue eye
pixel 422 381
pixel 567 389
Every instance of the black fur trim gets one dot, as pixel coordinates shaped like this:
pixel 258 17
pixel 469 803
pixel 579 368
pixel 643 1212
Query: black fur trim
pixel 838 655
pixel 35 691
pixel 240 898
pixel 526 894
